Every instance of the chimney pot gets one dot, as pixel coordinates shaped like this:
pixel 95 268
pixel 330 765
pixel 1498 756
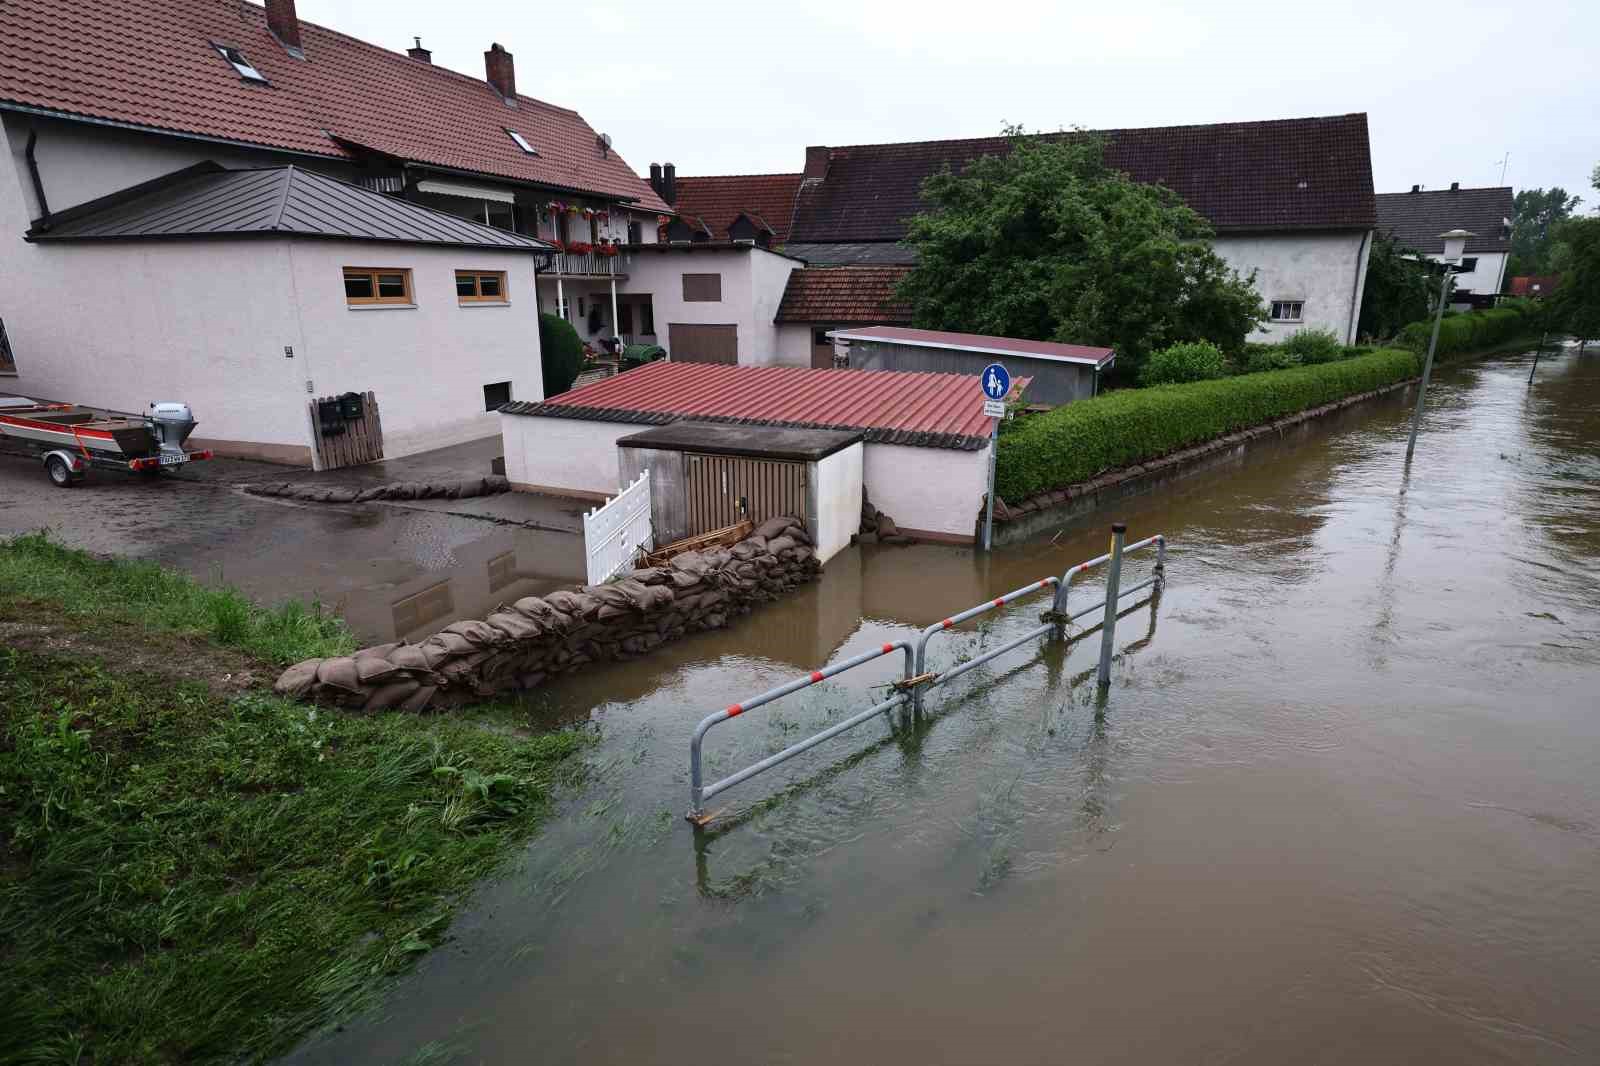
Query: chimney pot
pixel 669 183
pixel 655 178
pixel 1455 186
pixel 419 53
pixel 283 23
pixel 501 72
pixel 1416 188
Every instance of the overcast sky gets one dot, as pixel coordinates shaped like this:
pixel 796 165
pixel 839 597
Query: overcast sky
pixel 726 88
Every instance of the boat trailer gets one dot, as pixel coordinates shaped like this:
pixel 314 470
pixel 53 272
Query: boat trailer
pixel 71 440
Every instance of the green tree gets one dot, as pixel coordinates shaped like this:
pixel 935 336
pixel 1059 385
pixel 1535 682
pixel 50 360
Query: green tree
pixel 1046 242
pixel 560 354
pixel 1399 289
pixel 1575 305
pixel 1536 212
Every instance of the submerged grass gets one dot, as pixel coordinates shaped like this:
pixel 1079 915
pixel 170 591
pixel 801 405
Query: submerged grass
pixel 90 590
pixel 188 875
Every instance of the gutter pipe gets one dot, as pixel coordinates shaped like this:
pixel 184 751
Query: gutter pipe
pixel 38 182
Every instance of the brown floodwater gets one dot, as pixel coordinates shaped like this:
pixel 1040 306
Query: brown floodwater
pixel 1340 804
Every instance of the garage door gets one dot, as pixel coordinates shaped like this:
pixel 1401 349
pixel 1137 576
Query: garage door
pixel 724 489
pixel 694 343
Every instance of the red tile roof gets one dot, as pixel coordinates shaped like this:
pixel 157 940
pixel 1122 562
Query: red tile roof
pixel 1304 173
pixel 721 199
pixel 981 343
pixel 149 63
pixel 845 295
pixel 893 407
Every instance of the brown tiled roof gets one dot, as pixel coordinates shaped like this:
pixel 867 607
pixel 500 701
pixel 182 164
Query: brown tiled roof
pixel 889 406
pixel 151 64
pixel 1291 174
pixel 1415 219
pixel 845 295
pixel 721 199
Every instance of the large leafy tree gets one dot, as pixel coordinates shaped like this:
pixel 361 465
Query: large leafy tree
pixel 1536 214
pixel 1046 242
pixel 1399 289
pixel 1576 301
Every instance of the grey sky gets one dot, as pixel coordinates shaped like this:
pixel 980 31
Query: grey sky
pixel 723 88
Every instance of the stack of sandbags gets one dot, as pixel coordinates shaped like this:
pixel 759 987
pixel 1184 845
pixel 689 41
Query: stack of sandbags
pixel 877 527
pixel 311 492
pixel 521 644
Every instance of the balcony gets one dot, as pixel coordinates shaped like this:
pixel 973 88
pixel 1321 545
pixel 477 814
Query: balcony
pixel 588 265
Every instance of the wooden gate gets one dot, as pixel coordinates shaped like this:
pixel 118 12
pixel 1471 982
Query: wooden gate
pixel 724 489
pixel 346 429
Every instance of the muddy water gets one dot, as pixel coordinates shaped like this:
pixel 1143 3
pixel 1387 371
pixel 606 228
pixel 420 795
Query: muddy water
pixel 1339 805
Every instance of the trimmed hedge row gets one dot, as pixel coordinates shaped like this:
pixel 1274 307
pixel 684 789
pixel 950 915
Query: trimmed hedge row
pixel 1470 332
pixel 1079 440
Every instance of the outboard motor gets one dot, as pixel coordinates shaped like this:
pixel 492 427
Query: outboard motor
pixel 171 423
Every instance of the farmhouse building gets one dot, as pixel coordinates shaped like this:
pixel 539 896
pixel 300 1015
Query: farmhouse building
pixel 1291 202
pixel 462 207
pixel 1416 218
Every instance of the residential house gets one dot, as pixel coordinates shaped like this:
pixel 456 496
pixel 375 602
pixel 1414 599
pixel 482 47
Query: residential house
pixel 1291 202
pixel 113 112
pixel 1416 218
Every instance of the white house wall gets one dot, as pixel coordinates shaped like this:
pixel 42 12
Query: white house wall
pixel 753 281
pixel 839 483
pixel 122 323
pixel 1486 278
pixel 794 344
pixel 1323 270
pixel 927 490
pixel 563 456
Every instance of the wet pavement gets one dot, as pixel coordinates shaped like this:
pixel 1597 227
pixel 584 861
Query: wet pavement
pixel 392 569
pixel 1339 804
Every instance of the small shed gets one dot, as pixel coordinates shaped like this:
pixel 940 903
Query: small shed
pixel 1060 373
pixel 709 475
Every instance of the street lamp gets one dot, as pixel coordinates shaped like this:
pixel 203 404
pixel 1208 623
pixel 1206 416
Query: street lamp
pixel 1455 242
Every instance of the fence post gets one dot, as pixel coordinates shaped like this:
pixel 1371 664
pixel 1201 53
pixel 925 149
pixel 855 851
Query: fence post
pixel 1108 628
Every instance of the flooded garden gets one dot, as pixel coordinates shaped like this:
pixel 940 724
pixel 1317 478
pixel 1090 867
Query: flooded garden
pixel 1339 796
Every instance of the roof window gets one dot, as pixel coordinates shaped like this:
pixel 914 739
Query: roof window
pixel 522 142
pixel 240 63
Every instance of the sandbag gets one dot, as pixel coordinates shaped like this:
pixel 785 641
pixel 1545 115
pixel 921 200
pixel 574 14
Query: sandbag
pixel 339 673
pixel 387 696
pixel 296 681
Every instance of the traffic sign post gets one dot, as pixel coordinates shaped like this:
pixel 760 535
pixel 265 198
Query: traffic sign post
pixel 996 385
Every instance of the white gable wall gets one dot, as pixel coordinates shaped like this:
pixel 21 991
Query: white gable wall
pixel 753 281
pixel 1326 271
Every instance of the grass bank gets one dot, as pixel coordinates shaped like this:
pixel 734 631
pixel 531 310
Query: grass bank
pixel 192 874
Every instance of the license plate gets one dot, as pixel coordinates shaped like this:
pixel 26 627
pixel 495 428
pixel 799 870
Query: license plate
pixel 173 460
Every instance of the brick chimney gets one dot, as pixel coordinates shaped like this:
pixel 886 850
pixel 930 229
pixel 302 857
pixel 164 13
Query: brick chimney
pixel 655 178
pixel 669 183
pixel 1416 188
pixel 419 53
pixel 284 24
pixel 816 163
pixel 1455 186
pixel 501 73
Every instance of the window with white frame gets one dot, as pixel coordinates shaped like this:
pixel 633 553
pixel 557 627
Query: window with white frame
pixel 1287 310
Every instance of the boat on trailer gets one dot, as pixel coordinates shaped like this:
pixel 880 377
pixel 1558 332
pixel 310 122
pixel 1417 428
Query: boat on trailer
pixel 71 439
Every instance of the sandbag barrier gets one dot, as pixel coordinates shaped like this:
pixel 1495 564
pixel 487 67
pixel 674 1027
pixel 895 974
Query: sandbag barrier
pixel 311 492
pixel 521 645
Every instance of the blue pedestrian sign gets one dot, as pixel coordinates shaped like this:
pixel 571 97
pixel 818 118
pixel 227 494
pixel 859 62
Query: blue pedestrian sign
pixel 996 382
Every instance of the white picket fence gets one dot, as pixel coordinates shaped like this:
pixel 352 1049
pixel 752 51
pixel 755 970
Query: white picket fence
pixel 614 533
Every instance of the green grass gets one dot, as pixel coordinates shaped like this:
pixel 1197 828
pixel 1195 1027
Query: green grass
pixel 189 875
pixel 88 590
pixel 188 878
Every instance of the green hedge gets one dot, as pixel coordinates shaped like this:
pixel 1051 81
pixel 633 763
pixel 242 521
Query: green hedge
pixel 1079 440
pixel 1470 332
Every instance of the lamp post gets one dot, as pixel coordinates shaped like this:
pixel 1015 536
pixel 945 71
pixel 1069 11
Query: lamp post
pixel 1455 242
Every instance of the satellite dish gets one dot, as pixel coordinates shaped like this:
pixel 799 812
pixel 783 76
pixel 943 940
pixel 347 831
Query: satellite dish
pixel 605 139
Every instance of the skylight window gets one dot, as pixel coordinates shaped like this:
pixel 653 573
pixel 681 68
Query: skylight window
pixel 240 63
pixel 522 142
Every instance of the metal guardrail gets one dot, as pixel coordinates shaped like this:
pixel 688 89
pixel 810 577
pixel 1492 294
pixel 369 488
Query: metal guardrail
pixel 909 689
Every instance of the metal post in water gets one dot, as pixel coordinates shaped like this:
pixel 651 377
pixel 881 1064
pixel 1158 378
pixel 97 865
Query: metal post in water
pixel 1536 353
pixel 1427 366
pixel 1161 560
pixel 1108 628
pixel 988 500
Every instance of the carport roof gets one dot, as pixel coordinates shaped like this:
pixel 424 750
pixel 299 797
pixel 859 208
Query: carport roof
pixel 207 201
pixel 887 406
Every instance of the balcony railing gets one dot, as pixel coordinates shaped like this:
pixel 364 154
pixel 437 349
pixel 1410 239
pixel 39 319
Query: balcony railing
pixel 567 263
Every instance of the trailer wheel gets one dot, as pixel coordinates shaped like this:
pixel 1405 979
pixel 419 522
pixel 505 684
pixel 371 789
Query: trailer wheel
pixel 60 472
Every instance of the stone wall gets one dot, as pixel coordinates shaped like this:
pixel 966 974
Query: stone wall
pixel 521 645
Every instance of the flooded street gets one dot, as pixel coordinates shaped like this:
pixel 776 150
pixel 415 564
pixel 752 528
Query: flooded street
pixel 1340 803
